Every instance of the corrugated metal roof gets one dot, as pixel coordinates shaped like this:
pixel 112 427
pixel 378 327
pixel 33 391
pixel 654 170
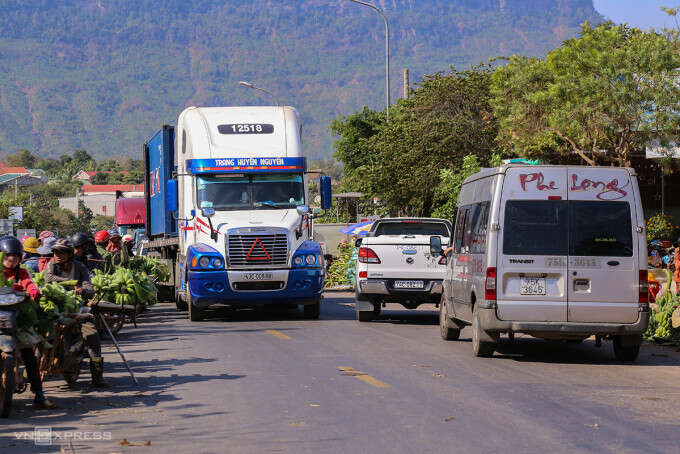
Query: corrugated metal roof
pixel 113 188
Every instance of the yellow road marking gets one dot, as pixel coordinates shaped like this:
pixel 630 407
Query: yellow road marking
pixel 364 377
pixel 278 334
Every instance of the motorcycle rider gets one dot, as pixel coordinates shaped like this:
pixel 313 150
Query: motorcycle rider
pixel 101 239
pixel 45 252
pixel 81 244
pixel 65 268
pixel 31 256
pixel 119 254
pixel 13 250
pixel 92 253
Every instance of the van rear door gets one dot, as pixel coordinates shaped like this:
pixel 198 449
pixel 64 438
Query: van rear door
pixel 533 245
pixel 603 276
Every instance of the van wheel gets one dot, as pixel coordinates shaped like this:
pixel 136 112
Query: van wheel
pixel 479 347
pixel 448 330
pixel 626 350
pixel 195 314
pixel 180 302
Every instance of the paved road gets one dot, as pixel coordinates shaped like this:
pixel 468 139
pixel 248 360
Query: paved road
pixel 257 383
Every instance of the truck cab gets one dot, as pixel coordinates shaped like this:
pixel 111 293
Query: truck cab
pixel 237 202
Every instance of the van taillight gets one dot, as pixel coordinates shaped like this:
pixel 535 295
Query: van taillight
pixel 366 255
pixel 490 285
pixel 644 287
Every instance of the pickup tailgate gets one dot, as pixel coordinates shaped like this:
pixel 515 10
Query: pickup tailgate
pixel 404 257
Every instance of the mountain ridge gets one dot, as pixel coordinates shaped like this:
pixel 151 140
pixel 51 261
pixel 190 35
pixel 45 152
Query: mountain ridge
pixel 103 76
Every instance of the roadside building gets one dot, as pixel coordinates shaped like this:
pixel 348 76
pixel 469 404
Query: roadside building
pixel 101 198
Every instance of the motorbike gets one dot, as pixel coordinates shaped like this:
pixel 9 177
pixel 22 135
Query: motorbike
pixel 11 380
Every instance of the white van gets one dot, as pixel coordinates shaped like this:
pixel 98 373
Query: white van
pixel 558 252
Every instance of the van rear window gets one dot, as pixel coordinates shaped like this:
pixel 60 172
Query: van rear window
pixel 559 227
pixel 601 229
pixel 412 228
pixel 536 227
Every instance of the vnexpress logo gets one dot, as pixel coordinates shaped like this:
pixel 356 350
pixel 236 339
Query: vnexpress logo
pixel 42 436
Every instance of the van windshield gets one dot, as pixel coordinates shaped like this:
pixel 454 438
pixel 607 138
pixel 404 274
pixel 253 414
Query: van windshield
pixel 559 227
pixel 412 228
pixel 250 192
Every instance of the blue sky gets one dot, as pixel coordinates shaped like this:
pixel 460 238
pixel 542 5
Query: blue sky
pixel 638 13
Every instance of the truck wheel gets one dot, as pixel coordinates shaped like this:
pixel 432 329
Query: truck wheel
pixel 365 316
pixel 6 383
pixel 448 330
pixel 626 350
pixel 195 313
pixel 480 348
pixel 312 311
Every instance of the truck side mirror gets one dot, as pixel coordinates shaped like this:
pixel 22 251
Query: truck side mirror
pixel 171 199
pixel 208 212
pixel 326 192
pixel 303 210
pixel 436 246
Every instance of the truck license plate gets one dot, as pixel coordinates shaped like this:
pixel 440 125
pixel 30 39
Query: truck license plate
pixel 532 286
pixel 258 276
pixel 409 284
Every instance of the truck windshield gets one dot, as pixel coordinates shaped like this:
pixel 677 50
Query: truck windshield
pixel 412 228
pixel 250 192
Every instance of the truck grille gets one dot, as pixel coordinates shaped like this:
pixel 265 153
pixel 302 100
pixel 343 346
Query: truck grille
pixel 257 250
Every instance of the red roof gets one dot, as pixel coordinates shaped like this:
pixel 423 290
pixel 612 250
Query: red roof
pixel 130 211
pixel 113 188
pixel 4 170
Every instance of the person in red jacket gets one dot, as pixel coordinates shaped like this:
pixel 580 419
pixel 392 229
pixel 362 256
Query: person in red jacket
pixel 45 252
pixel 22 282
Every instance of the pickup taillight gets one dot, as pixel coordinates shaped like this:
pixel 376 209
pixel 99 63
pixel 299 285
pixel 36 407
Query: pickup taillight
pixel 490 284
pixel 367 255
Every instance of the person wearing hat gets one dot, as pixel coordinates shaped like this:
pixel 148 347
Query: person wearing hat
pixel 64 268
pixel 31 257
pixel 44 235
pixel 11 268
pixel 45 252
pixel 114 241
pixel 92 253
pixel 119 254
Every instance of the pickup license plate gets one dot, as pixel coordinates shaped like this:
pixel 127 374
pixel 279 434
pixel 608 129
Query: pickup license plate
pixel 258 276
pixel 532 286
pixel 409 284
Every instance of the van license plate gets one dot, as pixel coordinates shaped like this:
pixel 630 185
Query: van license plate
pixel 532 286
pixel 258 276
pixel 409 284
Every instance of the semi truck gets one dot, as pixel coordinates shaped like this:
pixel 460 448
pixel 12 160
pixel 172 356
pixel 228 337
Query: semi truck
pixel 227 208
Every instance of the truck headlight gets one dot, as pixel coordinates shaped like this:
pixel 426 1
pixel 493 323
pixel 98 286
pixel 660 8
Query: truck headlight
pixel 217 263
pixel 310 259
pixel 299 260
pixel 204 262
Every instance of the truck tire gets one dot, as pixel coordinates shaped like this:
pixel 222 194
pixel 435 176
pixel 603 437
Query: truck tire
pixel 6 383
pixel 312 311
pixel 626 350
pixel 448 330
pixel 365 316
pixel 480 348
pixel 195 313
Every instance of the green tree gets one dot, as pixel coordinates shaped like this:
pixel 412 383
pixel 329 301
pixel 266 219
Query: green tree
pixel 600 96
pixel 22 158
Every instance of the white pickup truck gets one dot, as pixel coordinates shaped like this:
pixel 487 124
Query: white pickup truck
pixel 395 265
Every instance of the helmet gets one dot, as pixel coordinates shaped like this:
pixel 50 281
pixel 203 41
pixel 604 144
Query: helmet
pixel 63 245
pixel 79 239
pixel 127 238
pixel 101 236
pixel 10 245
pixel 114 233
pixel 45 234
pixel 31 245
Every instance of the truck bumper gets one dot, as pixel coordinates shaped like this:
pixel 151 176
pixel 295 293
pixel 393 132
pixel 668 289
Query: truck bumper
pixel 304 286
pixel 488 321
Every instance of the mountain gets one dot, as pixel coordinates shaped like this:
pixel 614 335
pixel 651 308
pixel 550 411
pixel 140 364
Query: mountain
pixel 104 75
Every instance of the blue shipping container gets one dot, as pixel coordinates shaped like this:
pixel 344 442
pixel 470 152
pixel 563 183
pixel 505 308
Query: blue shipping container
pixel 159 159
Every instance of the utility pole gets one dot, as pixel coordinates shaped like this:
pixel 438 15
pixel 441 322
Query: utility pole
pixel 77 203
pixel 387 54
pixel 406 84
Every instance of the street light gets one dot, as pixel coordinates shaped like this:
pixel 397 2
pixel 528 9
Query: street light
pixel 249 85
pixel 387 53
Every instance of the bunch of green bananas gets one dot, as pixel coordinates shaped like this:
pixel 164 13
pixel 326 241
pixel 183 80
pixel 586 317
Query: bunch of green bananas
pixel 151 267
pixel 56 299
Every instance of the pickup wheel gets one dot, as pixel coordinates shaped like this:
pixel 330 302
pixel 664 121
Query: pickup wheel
pixel 626 351
pixel 312 311
pixel 479 347
pixel 180 302
pixel 195 313
pixel 448 330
